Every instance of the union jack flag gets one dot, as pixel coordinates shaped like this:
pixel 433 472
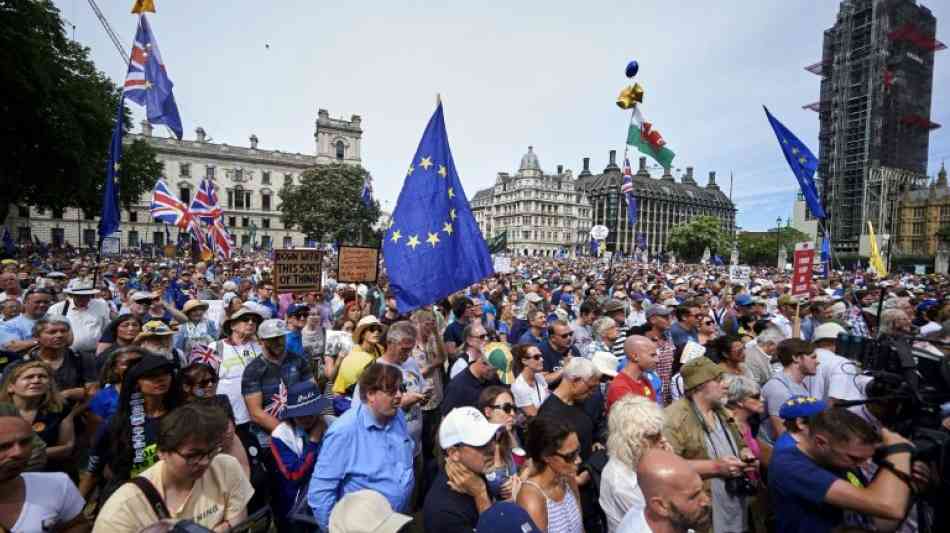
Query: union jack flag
pixel 627 189
pixel 201 353
pixel 205 203
pixel 147 83
pixel 170 210
pixel 220 238
pixel 278 402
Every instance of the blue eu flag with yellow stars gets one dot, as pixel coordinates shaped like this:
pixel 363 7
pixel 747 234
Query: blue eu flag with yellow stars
pixel 802 162
pixel 433 246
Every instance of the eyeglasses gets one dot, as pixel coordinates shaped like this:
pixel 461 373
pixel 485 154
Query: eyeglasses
pixel 506 407
pixel 566 335
pixel 483 336
pixel 536 357
pixel 754 397
pixel 205 383
pixel 569 457
pixel 144 302
pixel 376 329
pixel 707 322
pixel 196 457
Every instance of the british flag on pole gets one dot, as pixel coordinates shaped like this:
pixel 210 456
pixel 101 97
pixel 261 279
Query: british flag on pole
pixel 205 203
pixel 170 210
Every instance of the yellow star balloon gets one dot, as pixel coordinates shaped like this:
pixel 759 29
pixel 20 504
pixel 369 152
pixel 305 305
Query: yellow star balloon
pixel 141 6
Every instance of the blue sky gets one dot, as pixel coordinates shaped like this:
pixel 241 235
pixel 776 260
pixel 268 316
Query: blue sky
pixel 511 74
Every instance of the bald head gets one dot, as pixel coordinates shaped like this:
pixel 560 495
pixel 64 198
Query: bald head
pixel 640 351
pixel 673 491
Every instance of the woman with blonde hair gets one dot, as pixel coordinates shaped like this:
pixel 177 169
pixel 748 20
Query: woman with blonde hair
pixel 636 425
pixel 31 387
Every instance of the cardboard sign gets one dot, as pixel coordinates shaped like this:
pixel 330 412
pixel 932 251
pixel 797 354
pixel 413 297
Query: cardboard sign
pixel 170 250
pixel 740 274
pixel 502 264
pixel 297 270
pixel 356 264
pixel 803 265
pixel 111 246
pixel 215 312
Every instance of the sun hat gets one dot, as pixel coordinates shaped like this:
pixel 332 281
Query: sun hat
pixel 365 323
pixel 605 363
pixel 612 306
pixel 243 311
pixel 153 328
pixel 191 305
pixel 81 290
pixel 138 296
pixel 699 371
pixel 657 310
pixel 366 511
pixel 466 425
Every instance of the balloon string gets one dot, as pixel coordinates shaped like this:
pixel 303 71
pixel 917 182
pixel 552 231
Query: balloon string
pixel 626 145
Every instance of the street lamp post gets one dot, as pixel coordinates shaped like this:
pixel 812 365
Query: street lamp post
pixel 778 242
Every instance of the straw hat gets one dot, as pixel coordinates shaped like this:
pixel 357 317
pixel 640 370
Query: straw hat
pixel 365 323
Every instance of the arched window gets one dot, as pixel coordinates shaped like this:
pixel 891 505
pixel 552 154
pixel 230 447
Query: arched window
pixel 340 150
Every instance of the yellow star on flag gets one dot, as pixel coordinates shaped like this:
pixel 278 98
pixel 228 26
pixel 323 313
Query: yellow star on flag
pixel 116 166
pixel 442 171
pixel 148 84
pixel 426 162
pixel 413 241
pixel 433 239
pixel 785 141
pixel 452 214
pixel 411 170
pixel 447 227
pixel 451 192
pixel 802 160
pixel 795 151
pixel 396 236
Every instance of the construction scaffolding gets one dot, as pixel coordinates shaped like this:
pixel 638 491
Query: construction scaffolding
pixel 874 111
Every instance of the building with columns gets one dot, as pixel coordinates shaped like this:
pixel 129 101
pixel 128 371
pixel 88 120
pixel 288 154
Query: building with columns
pixel 663 202
pixel 544 214
pixel 247 179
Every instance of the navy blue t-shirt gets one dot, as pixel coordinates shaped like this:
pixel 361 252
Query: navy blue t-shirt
pixel 797 489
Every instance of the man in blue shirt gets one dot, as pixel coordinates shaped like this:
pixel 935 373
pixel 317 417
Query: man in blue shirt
pixel 368 447
pixel 685 327
pixel 814 486
pixel 16 334
pixel 297 315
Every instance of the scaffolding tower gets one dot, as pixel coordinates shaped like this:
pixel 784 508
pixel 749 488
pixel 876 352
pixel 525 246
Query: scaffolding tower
pixel 874 112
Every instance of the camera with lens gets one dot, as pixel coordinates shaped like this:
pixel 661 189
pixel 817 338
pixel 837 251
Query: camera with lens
pixel 741 486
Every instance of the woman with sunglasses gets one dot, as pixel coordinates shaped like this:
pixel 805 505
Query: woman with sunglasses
pixel 707 330
pixel 550 494
pixel 199 380
pixel 496 403
pixel 530 389
pixel 233 353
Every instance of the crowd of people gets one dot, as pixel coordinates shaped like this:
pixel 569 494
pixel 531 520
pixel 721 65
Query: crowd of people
pixel 560 397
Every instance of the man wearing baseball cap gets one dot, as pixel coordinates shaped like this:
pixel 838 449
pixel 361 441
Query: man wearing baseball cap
pixel 836 376
pixel 459 493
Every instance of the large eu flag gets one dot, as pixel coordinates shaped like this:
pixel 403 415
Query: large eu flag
pixel 109 219
pixel 433 246
pixel 802 162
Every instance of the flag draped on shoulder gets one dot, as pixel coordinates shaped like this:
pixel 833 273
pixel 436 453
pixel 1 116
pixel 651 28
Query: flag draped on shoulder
pixel 802 162
pixel 433 246
pixel 647 140
pixel 147 83
pixel 627 189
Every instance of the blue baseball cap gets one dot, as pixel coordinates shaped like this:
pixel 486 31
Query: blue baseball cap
pixel 801 407
pixel 743 300
pixel 294 309
pixel 927 304
pixel 303 399
pixel 505 517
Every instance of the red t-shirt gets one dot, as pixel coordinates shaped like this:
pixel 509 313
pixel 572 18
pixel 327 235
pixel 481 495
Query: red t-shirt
pixel 623 385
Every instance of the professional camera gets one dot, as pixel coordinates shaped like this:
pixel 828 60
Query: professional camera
pixel 741 486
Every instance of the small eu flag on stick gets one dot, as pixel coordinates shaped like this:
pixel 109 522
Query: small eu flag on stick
pixel 433 246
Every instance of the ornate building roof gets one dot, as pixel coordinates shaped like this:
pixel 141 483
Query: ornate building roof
pixel 530 166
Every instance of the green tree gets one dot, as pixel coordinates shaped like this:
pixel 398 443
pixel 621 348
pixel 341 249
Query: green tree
pixel 58 114
pixel 326 205
pixel 943 234
pixel 761 248
pixel 689 241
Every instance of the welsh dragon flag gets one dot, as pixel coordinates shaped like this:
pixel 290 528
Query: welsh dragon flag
pixel 643 137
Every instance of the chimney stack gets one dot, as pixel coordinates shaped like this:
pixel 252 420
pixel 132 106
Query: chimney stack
pixel 689 173
pixel 146 128
pixel 253 140
pixel 200 134
pixel 643 166
pixel 712 180
pixel 560 169
pixel 613 158
pixel 586 169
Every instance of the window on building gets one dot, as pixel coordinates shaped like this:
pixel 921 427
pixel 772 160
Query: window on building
pixel 238 174
pixel 184 194
pixel 23 211
pixel 246 222
pixel 88 215
pixel 918 212
pixel 247 199
pixel 23 234
pixel 265 177
pixel 918 228
pixel 57 212
pixel 158 238
pixel 89 238
pixel 288 242
pixel 340 150
pixel 232 222
pixel 288 179
pixel 245 240
pixel 265 242
pixel 57 237
pixel 265 223
pixel 133 216
pixel 238 198
pixel 184 170
pixel 133 239
pixel 209 172
pixel 265 202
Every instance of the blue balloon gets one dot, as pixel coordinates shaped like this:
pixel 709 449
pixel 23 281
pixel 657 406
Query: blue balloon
pixel 632 68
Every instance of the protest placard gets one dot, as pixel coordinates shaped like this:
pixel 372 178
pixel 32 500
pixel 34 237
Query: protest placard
pixel 502 264
pixel 297 270
pixel 803 263
pixel 357 264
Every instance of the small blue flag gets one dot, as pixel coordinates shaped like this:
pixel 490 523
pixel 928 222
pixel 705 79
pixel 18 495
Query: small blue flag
pixel 597 247
pixel 802 162
pixel 627 189
pixel 433 246
pixel 109 220
pixel 8 245
pixel 366 195
pixel 147 83
pixel 826 256
pixel 717 260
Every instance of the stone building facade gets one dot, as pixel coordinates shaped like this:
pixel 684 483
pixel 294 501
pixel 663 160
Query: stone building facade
pixel 662 204
pixel 921 213
pixel 247 179
pixel 544 214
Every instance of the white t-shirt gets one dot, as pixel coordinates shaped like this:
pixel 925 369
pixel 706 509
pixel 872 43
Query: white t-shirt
pixel 233 361
pixel 87 324
pixel 534 394
pixel 619 493
pixel 458 366
pixel 634 522
pixel 50 499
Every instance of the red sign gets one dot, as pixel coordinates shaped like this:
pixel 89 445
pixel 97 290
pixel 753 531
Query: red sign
pixel 803 263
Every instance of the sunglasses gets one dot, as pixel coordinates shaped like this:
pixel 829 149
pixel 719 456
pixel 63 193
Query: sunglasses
pixel 508 408
pixel 707 322
pixel 569 457
pixel 377 329
pixel 536 357
pixel 483 336
pixel 754 397
pixel 205 383
pixel 566 335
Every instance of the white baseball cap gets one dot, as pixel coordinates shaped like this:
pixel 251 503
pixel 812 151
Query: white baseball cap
pixel 828 330
pixel 606 363
pixel 466 425
pixel 366 511
pixel 272 327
